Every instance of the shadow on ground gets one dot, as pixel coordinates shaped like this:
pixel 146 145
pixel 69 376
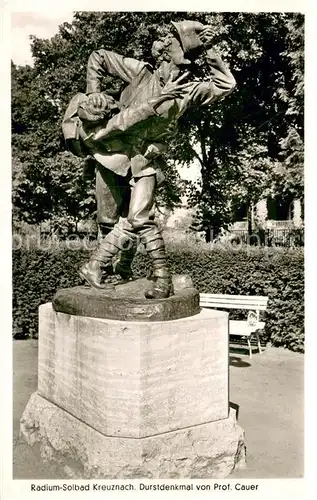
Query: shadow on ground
pixel 238 362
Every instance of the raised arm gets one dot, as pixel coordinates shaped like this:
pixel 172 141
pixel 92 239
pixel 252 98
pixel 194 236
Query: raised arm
pixel 221 81
pixel 102 62
pixel 222 78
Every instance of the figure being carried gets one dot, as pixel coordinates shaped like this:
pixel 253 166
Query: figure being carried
pixel 125 141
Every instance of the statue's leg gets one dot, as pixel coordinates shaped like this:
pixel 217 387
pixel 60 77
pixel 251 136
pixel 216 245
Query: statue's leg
pixel 122 264
pixel 142 199
pixel 111 191
pixel 116 241
pixel 123 260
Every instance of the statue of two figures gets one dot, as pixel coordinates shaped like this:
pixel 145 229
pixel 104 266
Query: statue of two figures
pixel 124 141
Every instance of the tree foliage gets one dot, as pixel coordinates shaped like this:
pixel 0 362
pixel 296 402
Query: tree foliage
pixel 248 145
pixel 251 144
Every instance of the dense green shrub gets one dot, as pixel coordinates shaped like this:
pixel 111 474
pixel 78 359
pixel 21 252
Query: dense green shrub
pixel 277 273
pixel 37 274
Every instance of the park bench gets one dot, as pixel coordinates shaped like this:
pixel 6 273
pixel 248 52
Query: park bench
pixel 241 328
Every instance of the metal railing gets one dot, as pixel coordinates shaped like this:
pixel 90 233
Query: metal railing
pixel 270 237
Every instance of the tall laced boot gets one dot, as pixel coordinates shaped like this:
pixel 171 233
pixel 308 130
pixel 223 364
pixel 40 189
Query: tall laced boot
pixel 94 270
pixel 103 231
pixel 154 245
pixel 123 265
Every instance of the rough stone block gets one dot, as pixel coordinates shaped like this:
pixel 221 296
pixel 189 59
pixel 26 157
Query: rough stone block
pixel 209 450
pixel 135 379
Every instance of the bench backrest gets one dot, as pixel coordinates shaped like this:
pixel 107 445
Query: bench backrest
pixel 249 302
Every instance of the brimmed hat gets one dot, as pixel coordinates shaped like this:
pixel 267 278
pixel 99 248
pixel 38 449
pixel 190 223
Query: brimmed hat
pixel 188 34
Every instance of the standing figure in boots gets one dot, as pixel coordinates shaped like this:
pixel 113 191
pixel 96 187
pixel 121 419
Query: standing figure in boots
pixel 127 138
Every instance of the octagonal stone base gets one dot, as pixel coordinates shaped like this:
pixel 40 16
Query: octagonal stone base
pixel 210 450
pixel 135 379
pixel 129 399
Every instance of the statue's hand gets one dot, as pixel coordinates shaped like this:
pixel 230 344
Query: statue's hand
pixel 206 36
pixel 172 90
pixel 175 86
pixel 96 99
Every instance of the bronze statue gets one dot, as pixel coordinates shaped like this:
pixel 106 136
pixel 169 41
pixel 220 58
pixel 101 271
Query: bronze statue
pixel 127 138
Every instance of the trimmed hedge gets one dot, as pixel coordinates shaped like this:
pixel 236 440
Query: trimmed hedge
pixel 277 273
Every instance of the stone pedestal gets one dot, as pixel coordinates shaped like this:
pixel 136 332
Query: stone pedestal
pixel 209 450
pixel 134 399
